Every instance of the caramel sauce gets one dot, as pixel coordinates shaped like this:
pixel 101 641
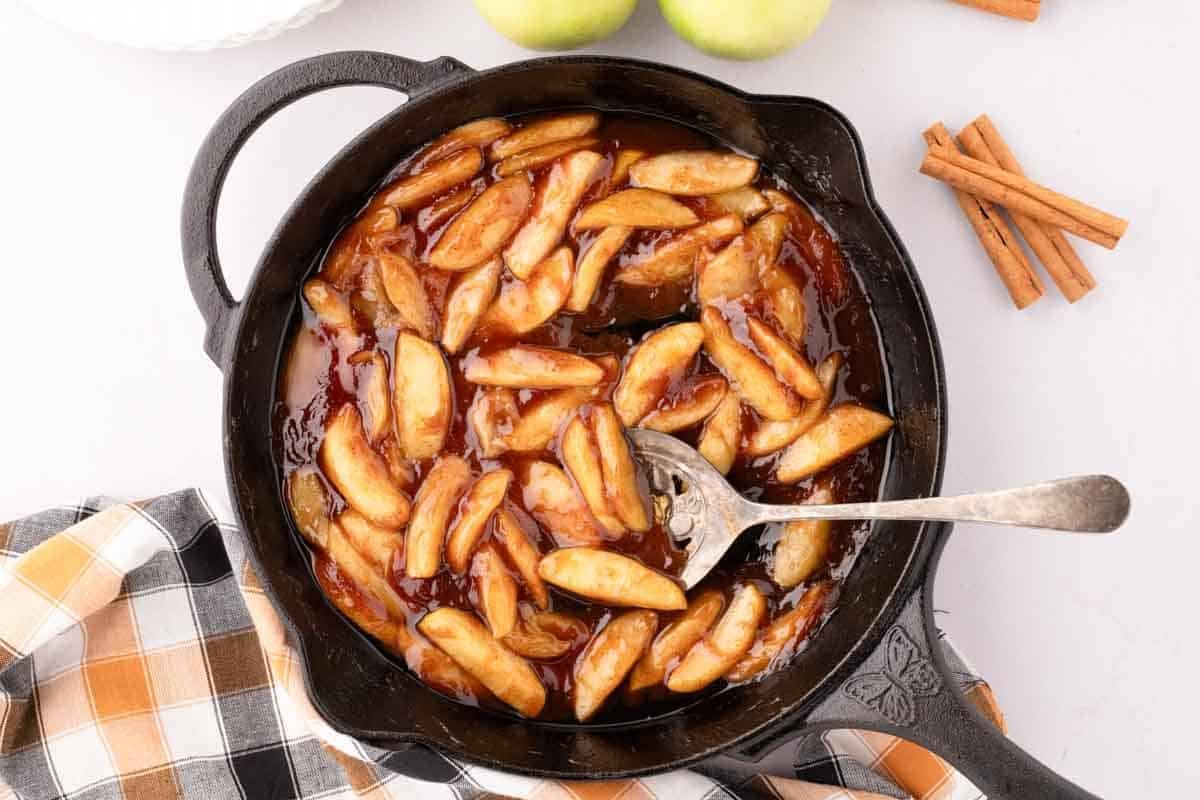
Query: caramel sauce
pixel 318 378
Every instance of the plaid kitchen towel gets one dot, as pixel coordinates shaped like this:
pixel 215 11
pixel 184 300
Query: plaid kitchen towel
pixel 139 658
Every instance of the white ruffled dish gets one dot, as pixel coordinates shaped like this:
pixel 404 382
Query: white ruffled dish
pixel 180 24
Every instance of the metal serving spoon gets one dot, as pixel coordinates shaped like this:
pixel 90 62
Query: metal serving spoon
pixel 702 508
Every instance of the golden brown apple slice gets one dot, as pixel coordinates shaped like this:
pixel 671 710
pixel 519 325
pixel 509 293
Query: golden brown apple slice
pixel 745 201
pixel 352 247
pixel 804 543
pixel 421 399
pixel 358 472
pixel 843 430
pixel 497 590
pixel 433 509
pixel 661 358
pixel 491 418
pixel 543 132
pixel 750 377
pixel 785 302
pixel 485 496
pixel 675 261
pixel 329 305
pixel 609 657
pixel 525 366
pixel 783 634
pixel 696 399
pixel 484 227
pixel 673 642
pixel 434 179
pixel 542 419
pixel 581 457
pixel 437 669
pixel 550 496
pixel 735 270
pixel 522 306
pixel 622 161
pixel 377 399
pixel 468 642
pixel 694 172
pixel 722 434
pixel 376 544
pixel 611 578
pixel 522 554
pixel 768 235
pixel 467 301
pixel 544 635
pixel 557 195
pixel 407 294
pixel 620 472
pixel 476 134
pixel 442 209
pixel 636 208
pixel 541 156
pixel 309 503
pixel 771 436
pixel 788 363
pixel 381 620
pixel 725 644
pixel 398 466
pixel 592 266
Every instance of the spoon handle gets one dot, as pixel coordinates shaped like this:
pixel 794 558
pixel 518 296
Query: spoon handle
pixel 1086 504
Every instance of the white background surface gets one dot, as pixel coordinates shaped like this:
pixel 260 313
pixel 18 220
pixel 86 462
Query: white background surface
pixel 1092 645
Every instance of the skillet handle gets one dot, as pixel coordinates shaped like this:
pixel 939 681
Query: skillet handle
pixel 930 711
pixel 254 107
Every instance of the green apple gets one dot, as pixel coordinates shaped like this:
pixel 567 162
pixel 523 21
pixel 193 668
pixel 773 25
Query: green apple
pixel 556 24
pixel 744 29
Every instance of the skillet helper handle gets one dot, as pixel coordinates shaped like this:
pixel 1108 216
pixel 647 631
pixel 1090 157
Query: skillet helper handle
pixel 254 107
pixel 906 688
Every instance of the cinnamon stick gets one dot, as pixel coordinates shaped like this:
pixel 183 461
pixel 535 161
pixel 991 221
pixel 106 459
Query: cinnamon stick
pixel 1051 246
pixel 1026 10
pixel 997 238
pixel 1018 193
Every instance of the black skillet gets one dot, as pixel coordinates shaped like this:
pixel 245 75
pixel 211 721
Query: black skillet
pixel 874 665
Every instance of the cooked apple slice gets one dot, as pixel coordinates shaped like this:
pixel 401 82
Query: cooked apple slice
pixel 398 466
pixel 497 590
pixel 581 457
pixel 788 363
pixel 436 669
pixel 476 509
pixel 309 503
pixel 675 261
pixel 544 635
pixel 785 302
pixel 379 618
pixel 843 430
pixel 550 496
pixel 661 358
pixel 592 266
pixel 476 134
pixel 442 209
pixel 541 156
pixel 353 246
pixel 768 235
pixel 735 270
pixel 696 399
pixel 467 301
pixel 749 376
pixel 542 419
pixel 620 472
pixel 804 543
pixel 609 657
pixel 376 544
pixel 636 208
pixel 783 634
pixel 522 306
pixel 433 509
pixel 722 434
pixel 611 578
pixel 491 418
pixel 745 201
pixel 771 436
pixel 522 554
pixel 407 294
pixel 558 193
pixel 468 642
pixel 358 472
pixel 530 367
pixel 725 644
pixel 694 172
pixel 431 181
pixel 624 159
pixel 377 400
pixel 673 642
pixel 421 399
pixel 484 227
pixel 543 132
pixel 331 307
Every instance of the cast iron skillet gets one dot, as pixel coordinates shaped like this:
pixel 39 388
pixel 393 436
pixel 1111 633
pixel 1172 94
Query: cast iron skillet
pixel 874 665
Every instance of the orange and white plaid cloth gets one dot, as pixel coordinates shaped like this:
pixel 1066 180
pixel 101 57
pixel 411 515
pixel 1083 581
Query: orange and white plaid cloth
pixel 140 659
